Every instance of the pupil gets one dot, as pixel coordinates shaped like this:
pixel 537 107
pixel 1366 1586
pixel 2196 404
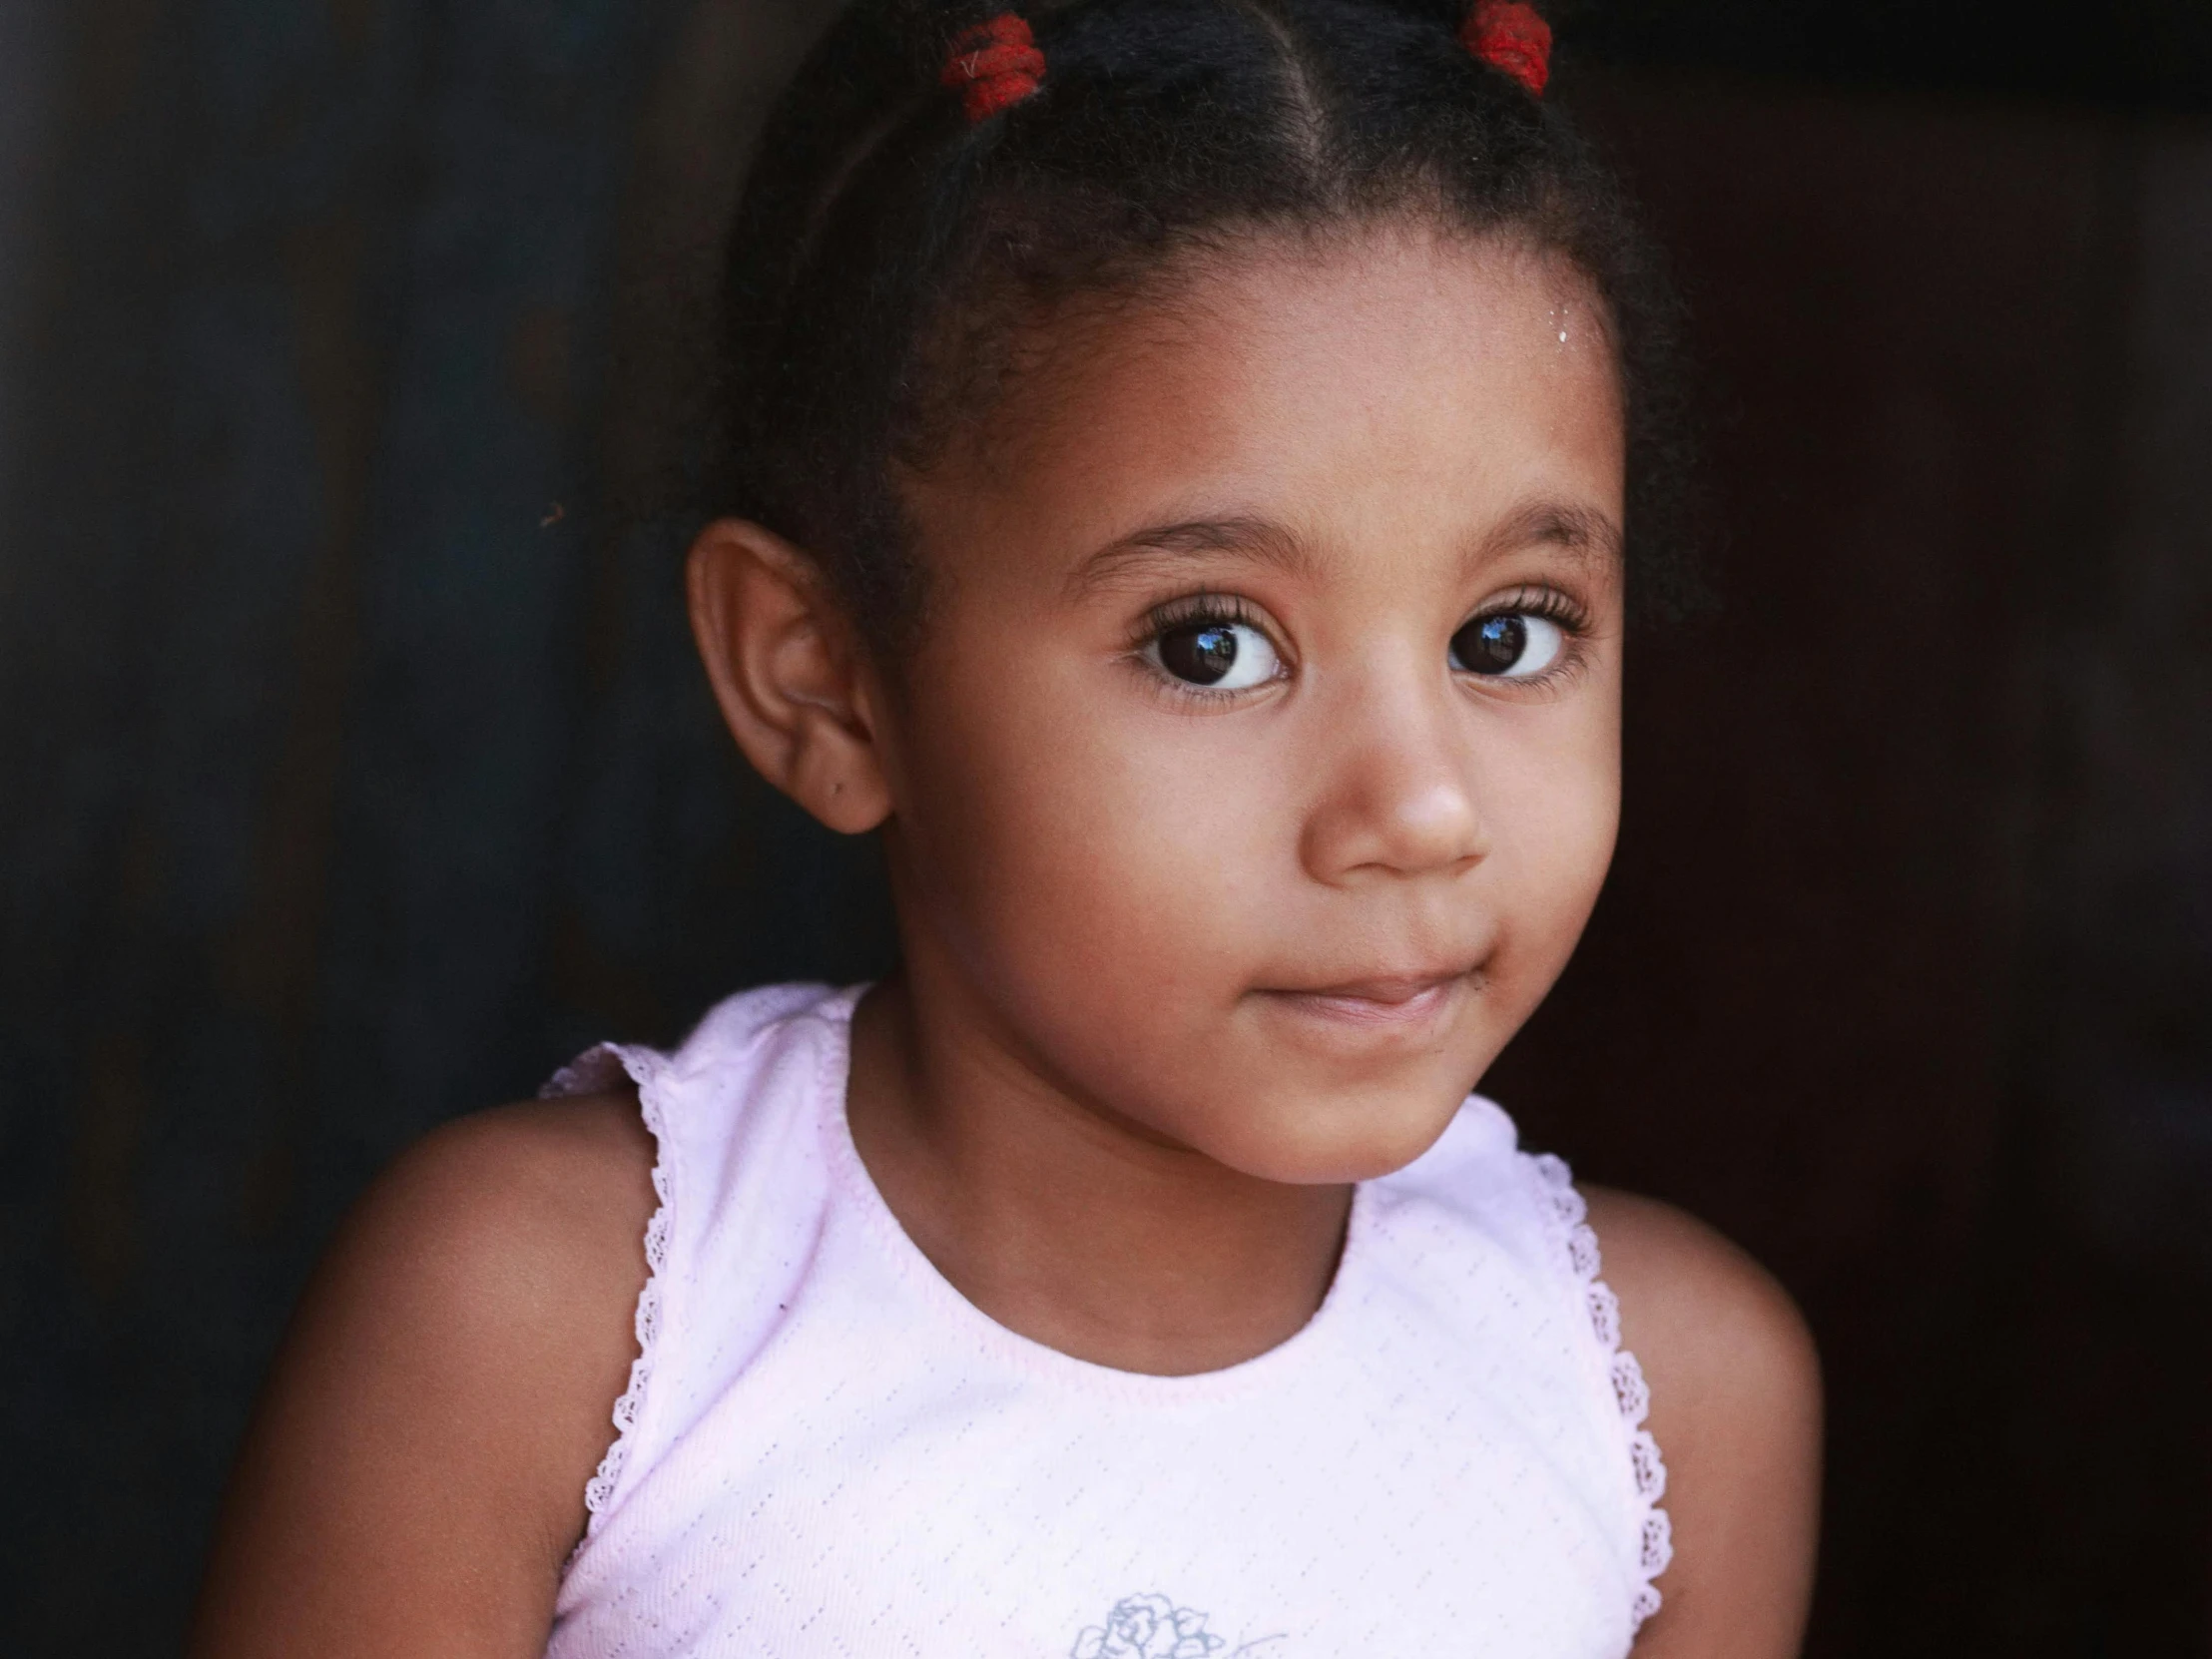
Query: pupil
pixel 1491 646
pixel 1202 656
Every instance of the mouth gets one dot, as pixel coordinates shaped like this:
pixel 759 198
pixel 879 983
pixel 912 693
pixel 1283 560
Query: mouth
pixel 1388 1001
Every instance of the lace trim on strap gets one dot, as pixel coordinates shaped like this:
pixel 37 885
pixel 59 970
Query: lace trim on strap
pixel 1569 1216
pixel 601 1069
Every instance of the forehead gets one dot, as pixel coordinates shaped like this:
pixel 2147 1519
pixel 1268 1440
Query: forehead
pixel 1393 381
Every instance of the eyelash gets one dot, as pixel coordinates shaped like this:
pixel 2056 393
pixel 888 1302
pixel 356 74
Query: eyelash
pixel 1228 610
pixel 1220 610
pixel 1554 606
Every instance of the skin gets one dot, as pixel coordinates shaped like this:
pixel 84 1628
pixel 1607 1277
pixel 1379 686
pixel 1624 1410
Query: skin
pixel 1179 968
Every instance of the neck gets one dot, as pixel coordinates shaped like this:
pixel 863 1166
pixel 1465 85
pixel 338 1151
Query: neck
pixel 1065 1222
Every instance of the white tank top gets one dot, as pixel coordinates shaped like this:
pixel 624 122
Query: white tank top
pixel 826 1450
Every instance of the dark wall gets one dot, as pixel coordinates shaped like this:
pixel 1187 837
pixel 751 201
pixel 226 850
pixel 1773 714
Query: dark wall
pixel 1902 976
pixel 354 765
pixel 355 770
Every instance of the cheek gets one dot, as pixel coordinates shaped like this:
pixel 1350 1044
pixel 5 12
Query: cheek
pixel 1555 816
pixel 1071 837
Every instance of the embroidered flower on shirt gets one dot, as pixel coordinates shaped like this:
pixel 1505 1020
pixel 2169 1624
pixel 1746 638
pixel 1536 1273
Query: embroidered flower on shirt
pixel 1148 1627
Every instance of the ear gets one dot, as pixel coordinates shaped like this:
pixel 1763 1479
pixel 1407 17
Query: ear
pixel 789 673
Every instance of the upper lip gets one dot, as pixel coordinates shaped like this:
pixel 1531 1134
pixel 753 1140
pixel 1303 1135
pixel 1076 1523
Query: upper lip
pixel 1389 990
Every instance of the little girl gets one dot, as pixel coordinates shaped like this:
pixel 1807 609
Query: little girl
pixel 1182 455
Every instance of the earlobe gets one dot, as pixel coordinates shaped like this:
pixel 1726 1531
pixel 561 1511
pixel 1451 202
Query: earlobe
pixel 789 672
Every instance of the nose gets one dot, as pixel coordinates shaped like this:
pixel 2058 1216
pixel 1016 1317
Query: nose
pixel 1399 795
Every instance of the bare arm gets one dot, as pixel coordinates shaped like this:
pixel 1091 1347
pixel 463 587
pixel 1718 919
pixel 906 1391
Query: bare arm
pixel 1735 1408
pixel 414 1476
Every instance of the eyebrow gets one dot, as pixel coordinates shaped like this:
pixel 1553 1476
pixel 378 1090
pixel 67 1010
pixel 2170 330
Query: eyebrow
pixel 1591 537
pixel 1256 540
pixel 1588 535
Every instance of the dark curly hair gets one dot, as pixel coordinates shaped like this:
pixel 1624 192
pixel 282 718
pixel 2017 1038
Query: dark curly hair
pixel 887 253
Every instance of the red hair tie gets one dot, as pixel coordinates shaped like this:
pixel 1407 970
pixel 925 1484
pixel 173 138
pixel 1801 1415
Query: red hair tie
pixel 993 66
pixel 1510 36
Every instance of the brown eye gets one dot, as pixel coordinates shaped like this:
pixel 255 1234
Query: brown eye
pixel 1510 646
pixel 1220 656
pixel 1203 655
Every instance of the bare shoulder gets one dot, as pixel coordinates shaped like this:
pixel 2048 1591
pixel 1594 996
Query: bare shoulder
pixel 512 1238
pixel 443 1394
pixel 553 1183
pixel 1702 1308
pixel 1736 1409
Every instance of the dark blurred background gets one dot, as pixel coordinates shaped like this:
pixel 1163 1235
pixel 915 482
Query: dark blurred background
pixel 354 768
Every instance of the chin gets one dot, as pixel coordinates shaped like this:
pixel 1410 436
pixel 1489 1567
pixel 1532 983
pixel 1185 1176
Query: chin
pixel 1335 1136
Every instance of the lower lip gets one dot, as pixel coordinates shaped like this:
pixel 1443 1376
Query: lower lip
pixel 1369 1013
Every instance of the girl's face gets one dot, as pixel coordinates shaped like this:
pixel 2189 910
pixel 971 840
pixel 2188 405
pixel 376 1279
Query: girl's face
pixel 1258 765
